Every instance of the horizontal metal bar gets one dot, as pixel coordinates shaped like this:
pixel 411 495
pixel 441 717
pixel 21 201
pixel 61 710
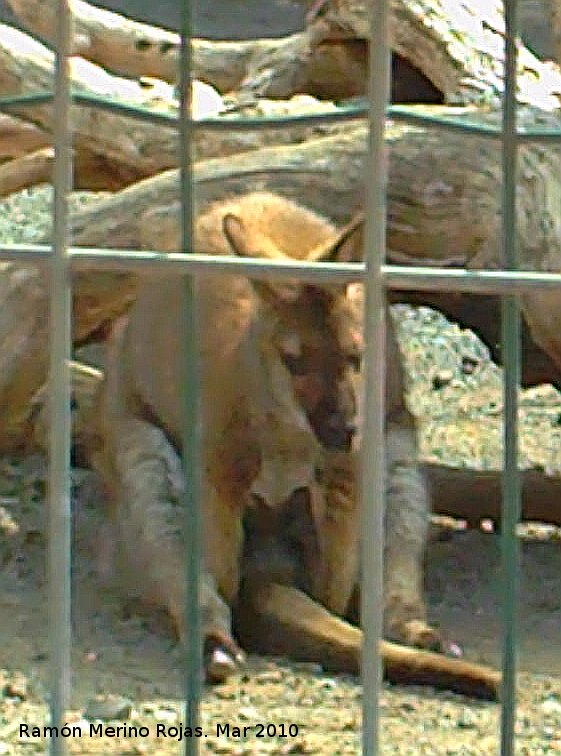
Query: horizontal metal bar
pixel 123 260
pixel 469 281
pixel 343 113
pixel 452 121
pixel 395 276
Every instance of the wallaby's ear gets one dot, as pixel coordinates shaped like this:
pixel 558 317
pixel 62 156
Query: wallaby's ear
pixel 245 246
pixel 236 234
pixel 346 246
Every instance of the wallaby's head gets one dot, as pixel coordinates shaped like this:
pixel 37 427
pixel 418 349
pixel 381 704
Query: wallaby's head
pixel 315 331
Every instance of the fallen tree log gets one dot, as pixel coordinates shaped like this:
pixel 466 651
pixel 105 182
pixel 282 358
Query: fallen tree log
pixel 455 45
pixel 28 170
pixel 18 138
pixel 133 49
pixel 113 41
pixel 459 46
pixel 475 495
pixel 114 150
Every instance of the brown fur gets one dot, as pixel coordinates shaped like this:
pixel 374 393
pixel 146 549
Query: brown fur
pixel 278 379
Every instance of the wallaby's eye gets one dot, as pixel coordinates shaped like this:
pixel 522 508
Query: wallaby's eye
pixel 290 347
pixel 296 365
pixel 355 361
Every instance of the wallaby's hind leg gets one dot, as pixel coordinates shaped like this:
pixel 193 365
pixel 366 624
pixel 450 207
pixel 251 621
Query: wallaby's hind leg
pixel 281 620
pixel 149 521
pixel 407 521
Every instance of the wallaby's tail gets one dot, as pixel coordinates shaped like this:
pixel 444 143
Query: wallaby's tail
pixel 279 619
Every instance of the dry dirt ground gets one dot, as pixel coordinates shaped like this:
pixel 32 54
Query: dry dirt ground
pixel 121 651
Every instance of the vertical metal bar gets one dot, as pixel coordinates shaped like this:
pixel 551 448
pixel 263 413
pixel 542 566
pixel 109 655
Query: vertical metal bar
pixel 511 382
pixel 59 547
pixel 373 447
pixel 191 413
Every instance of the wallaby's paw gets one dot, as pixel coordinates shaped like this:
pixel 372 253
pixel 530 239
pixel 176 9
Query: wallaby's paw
pixel 222 659
pixel 404 623
pixel 420 635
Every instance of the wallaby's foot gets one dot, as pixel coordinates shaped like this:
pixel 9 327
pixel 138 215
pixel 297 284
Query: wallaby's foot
pixel 418 634
pixel 222 658
pixel 405 623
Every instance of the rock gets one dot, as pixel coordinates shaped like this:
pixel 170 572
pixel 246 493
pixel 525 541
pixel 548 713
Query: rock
pixel 108 708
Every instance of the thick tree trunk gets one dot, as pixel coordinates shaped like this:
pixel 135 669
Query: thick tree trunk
pixel 28 170
pixel 113 150
pixel 456 45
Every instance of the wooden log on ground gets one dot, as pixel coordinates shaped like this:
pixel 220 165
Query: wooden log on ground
pixel 113 150
pixel 113 41
pixel 133 49
pixel 456 45
pixel 18 138
pixel 28 170
pixel 443 197
pixel 475 495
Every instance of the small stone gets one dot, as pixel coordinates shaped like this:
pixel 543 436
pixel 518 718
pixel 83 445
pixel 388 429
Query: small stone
pixel 469 364
pixel 306 701
pixel 408 706
pixel 225 693
pixel 273 676
pixel 248 712
pixel 466 720
pixel 108 708
pixel 551 706
pixel 16 688
pixel 442 379
pixel 165 715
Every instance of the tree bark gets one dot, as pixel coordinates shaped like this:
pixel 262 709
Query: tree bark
pixel 28 170
pixel 456 45
pixel 18 138
pixel 475 495
pixel 114 150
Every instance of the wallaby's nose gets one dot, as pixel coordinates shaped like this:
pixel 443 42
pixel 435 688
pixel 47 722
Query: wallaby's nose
pixel 338 435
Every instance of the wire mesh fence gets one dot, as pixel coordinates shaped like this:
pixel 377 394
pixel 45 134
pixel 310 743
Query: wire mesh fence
pixel 376 277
